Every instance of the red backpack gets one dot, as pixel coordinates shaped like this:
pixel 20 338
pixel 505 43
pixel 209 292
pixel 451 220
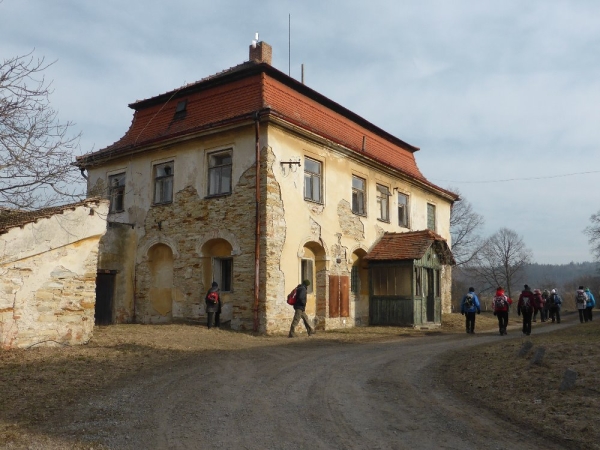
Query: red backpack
pixel 213 297
pixel 291 298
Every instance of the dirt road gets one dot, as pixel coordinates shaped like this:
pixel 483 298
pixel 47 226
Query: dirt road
pixel 308 395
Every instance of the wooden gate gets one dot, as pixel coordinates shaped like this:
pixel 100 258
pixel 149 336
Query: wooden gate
pixel 339 296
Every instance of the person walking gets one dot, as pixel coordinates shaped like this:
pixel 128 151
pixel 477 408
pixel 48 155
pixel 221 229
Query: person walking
pixel 591 303
pixel 468 307
pixel 299 307
pixel 554 304
pixel 581 300
pixel 213 306
pixel 537 304
pixel 525 307
pixel 500 305
pixel 545 296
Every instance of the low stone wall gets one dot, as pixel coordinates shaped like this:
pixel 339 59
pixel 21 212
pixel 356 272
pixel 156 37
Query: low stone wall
pixel 47 292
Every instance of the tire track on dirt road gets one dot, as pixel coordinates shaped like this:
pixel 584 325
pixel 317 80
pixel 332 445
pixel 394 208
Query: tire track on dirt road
pixel 310 394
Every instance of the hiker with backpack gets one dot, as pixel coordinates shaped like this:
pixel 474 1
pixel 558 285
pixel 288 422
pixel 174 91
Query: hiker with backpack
pixel 468 307
pixel 554 303
pixel 581 299
pixel 591 303
pixel 525 307
pixel 213 306
pixel 545 308
pixel 537 304
pixel 299 307
pixel 500 305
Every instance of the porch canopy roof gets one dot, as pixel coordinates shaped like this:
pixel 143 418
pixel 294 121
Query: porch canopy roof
pixel 410 245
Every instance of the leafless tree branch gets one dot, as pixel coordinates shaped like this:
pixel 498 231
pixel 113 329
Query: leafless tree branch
pixel 36 149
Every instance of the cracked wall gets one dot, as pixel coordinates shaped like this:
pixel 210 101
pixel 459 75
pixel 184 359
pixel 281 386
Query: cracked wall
pixel 48 286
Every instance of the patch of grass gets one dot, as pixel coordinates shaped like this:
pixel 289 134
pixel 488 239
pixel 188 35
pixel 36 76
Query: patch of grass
pixel 528 393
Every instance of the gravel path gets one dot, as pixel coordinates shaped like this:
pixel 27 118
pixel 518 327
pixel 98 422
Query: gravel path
pixel 308 395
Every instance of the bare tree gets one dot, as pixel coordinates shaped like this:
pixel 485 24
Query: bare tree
pixel 465 225
pixel 593 233
pixel 502 260
pixel 36 150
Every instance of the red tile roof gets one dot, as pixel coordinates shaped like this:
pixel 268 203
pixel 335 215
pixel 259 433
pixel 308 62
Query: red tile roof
pixel 235 95
pixel 409 245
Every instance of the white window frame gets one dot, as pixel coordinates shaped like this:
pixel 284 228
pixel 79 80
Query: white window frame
pixel 313 179
pixel 116 192
pixel 403 222
pixel 219 268
pixel 163 182
pixel 358 195
pixel 219 171
pixel 307 270
pixel 431 208
pixel 383 203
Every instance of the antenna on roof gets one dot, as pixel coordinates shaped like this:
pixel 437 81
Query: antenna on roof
pixel 255 40
pixel 289 44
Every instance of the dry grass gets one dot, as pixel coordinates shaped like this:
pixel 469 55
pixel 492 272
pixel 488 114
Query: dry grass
pixel 529 394
pixel 37 384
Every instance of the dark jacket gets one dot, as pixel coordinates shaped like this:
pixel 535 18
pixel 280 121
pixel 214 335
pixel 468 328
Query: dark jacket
pixel 300 297
pixel 210 306
pixel 554 301
pixel 524 298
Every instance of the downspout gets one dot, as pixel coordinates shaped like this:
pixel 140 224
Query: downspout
pixel 257 231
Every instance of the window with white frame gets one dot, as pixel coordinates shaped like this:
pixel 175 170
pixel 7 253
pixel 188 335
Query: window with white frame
pixel 359 195
pixel 383 202
pixel 431 216
pixel 223 273
pixel 307 273
pixel 402 210
pixel 163 182
pixel 116 192
pixel 219 173
pixel 313 180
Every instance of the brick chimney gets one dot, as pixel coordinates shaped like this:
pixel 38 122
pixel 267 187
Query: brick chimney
pixel 260 53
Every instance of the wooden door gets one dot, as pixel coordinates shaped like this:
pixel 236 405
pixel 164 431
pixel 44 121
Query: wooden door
pixel 339 296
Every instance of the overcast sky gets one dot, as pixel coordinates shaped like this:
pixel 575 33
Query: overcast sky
pixel 502 98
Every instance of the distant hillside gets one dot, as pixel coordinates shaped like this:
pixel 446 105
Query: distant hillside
pixel 551 275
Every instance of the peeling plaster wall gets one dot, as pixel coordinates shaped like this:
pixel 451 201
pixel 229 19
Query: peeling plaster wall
pixel 333 224
pixel 48 282
pixel 288 225
pixel 183 226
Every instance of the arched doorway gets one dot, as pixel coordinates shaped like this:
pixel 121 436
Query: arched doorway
pixel 160 294
pixel 313 267
pixel 359 287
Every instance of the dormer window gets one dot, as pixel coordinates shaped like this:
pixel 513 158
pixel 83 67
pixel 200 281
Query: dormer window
pixel 180 110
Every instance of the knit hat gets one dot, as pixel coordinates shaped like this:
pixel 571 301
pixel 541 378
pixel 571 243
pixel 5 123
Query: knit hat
pixel 215 284
pixel 471 289
pixel 527 287
pixel 306 283
pixel 553 291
